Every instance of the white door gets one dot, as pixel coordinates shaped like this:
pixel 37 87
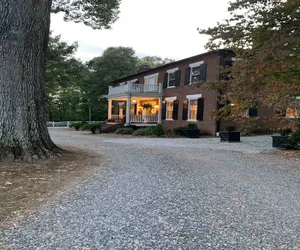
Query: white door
pixel 150 86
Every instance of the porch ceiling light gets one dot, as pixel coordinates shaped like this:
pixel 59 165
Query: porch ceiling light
pixel 133 101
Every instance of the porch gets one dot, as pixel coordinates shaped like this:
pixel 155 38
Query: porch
pixel 136 88
pixel 135 111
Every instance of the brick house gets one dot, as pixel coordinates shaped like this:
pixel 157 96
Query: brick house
pixel 165 94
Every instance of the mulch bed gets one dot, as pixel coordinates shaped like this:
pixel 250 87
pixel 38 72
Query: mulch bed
pixel 24 187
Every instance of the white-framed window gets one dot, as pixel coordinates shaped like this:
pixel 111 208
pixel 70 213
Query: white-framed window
pixel 171 77
pixel 193 106
pixel 195 72
pixel 170 107
pixel 151 80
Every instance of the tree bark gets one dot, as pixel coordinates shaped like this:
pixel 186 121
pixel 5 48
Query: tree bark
pixel 24 34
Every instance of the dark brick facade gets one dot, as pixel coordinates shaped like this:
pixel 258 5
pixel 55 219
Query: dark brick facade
pixel 213 61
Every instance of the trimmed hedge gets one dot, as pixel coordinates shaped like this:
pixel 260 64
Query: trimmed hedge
pixel 150 131
pixel 181 130
pixel 124 131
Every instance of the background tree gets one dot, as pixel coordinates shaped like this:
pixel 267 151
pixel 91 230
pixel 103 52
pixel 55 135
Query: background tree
pixel 114 63
pixel 24 27
pixel 265 36
pixel 152 62
pixel 64 74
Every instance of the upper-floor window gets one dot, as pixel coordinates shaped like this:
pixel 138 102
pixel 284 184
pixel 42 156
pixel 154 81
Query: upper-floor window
pixel 172 78
pixel 196 72
pixel 151 79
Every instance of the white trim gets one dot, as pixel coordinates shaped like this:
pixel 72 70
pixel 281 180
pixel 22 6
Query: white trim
pixel 171 87
pixel 172 70
pixel 196 64
pixel 190 120
pixel 171 99
pixel 132 81
pixel 193 97
pixel 151 76
pixel 169 119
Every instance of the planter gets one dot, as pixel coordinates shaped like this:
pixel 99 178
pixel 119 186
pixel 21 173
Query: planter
pixel 226 136
pixel 192 133
pixel 279 141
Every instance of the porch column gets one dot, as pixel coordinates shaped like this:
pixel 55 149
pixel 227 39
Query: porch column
pixel 159 110
pixel 128 105
pixel 109 108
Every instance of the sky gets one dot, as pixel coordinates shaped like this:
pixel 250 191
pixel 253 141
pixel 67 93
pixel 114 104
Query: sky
pixel 165 28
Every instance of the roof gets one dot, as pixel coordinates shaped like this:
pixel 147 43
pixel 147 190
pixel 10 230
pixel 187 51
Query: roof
pixel 169 64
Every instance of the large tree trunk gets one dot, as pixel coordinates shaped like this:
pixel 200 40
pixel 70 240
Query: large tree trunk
pixel 24 34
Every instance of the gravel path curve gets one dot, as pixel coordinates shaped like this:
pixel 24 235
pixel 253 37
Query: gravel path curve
pixel 155 196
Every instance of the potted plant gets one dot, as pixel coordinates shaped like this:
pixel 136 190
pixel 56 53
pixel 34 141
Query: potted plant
pixel 192 131
pixel 230 134
pixel 280 141
pixel 147 106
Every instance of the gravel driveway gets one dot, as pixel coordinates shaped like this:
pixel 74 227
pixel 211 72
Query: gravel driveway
pixel 171 194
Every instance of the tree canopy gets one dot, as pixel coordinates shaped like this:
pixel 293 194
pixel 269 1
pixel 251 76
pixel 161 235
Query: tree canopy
pixel 153 62
pixel 265 36
pixel 97 14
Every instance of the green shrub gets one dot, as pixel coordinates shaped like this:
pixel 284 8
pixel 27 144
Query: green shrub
pixel 179 131
pixel 285 132
pixel 143 131
pixel 191 126
pixel 230 128
pixel 134 127
pixel 93 127
pixel 158 130
pixel 150 131
pixel 76 125
pixel 124 131
pixel 293 141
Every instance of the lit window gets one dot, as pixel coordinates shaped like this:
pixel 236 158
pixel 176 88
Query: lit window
pixel 292 113
pixel 170 107
pixel 193 106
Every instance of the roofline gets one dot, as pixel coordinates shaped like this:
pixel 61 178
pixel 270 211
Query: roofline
pixel 172 63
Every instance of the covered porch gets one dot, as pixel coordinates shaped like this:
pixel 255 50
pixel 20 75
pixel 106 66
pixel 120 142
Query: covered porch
pixel 139 111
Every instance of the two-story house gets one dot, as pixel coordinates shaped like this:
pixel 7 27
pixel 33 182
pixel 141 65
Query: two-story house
pixel 166 94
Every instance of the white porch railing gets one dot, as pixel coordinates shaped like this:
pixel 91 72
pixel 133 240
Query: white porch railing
pixel 142 88
pixel 144 118
pixel 135 88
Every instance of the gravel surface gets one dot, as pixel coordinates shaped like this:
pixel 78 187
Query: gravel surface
pixel 155 194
